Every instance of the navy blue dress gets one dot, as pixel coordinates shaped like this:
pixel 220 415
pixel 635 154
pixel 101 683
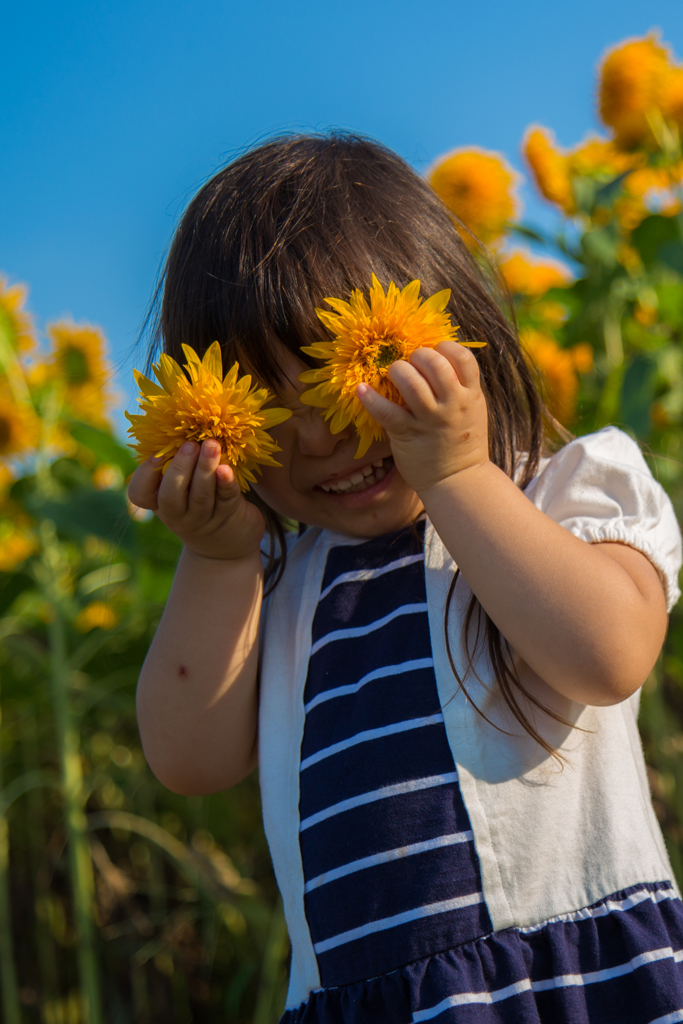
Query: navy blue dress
pixel 393 894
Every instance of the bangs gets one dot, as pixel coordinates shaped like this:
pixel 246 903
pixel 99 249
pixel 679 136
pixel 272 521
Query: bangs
pixel 299 219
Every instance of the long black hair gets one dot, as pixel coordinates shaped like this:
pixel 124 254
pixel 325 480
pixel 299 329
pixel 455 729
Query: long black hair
pixel 306 216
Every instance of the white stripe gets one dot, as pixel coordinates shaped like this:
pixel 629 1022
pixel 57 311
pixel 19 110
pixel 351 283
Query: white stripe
pixel 370 734
pixel 378 794
pixel 392 922
pixel 594 977
pixel 467 998
pixel 347 634
pixel 382 858
pixel 562 981
pixel 360 575
pixel 377 673
pixel 669 1018
pixel 608 907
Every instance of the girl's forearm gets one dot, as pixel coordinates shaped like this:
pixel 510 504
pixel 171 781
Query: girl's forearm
pixel 574 614
pixel 197 694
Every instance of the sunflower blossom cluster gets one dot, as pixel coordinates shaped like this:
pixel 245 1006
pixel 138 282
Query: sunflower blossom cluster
pixel 637 83
pixel 202 404
pixel 556 369
pixel 368 338
pixel 78 362
pixel 15 322
pixel 478 187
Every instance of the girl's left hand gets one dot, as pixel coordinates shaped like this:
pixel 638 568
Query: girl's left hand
pixel 443 427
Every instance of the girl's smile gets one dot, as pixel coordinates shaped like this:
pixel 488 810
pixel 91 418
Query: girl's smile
pixel 321 483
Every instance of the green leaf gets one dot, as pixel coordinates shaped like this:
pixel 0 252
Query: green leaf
pixel 104 446
pixel 670 302
pixel 608 192
pixel 585 190
pixel 600 246
pixel 637 394
pixel 11 585
pixel 671 255
pixel 526 231
pixel 653 233
pixel 87 512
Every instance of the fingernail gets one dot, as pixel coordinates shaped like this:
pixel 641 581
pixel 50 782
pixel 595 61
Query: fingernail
pixel 187 448
pixel 156 460
pixel 362 389
pixel 211 447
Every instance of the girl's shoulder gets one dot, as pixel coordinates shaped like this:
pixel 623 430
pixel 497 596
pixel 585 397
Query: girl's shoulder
pixel 600 488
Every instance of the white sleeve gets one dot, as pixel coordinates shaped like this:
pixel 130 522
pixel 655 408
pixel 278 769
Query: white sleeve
pixel 599 488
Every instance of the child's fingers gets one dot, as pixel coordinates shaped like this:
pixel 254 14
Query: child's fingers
pixel 414 388
pixel 144 484
pixel 173 491
pixel 389 415
pixel 462 361
pixel 202 494
pixel 437 370
pixel 227 488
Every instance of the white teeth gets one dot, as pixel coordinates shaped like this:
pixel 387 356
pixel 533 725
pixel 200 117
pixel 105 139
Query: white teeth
pixel 344 485
pixel 366 470
pixel 380 473
pixel 356 478
pixel 326 487
pixel 378 463
pixel 369 481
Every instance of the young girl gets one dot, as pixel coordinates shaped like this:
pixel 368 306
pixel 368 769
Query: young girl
pixel 453 786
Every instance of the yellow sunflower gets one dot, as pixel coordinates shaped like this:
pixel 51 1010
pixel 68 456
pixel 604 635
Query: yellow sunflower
pixel 550 168
pixel 19 426
pixel 96 615
pixel 526 275
pixel 16 544
pixel 555 369
pixel 632 81
pixel 14 320
pixel 478 187
pixel 205 404
pixel 78 361
pixel 672 96
pixel 368 338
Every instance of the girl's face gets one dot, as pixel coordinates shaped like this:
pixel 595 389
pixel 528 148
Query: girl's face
pixel 320 482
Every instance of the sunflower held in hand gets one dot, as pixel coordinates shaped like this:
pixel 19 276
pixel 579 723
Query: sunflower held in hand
pixel 203 404
pixel 368 338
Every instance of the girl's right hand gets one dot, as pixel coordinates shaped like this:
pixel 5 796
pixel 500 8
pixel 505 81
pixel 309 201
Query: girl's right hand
pixel 200 501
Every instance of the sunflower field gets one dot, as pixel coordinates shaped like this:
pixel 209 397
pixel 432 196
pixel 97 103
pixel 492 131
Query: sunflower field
pixel 119 901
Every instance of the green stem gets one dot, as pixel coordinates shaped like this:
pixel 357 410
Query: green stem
pixel 8 973
pixel 271 981
pixel 614 344
pixel 71 770
pixel 35 827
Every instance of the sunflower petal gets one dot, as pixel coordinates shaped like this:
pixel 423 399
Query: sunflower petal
pixel 147 386
pixel 213 360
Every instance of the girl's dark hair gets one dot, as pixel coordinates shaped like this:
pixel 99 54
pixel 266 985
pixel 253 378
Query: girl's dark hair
pixel 306 216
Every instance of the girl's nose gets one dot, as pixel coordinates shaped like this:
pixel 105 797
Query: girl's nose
pixel 315 436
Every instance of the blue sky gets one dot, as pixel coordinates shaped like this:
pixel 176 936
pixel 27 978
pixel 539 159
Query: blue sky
pixel 115 112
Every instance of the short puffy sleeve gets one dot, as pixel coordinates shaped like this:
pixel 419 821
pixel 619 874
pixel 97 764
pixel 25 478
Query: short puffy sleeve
pixel 600 488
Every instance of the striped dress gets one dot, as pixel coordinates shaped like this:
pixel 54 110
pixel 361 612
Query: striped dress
pixel 392 885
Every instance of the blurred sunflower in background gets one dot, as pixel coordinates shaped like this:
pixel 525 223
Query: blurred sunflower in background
pixel 78 362
pixel 479 188
pixel 16 324
pixel 19 425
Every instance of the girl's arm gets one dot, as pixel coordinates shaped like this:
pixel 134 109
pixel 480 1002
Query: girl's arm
pixel 588 619
pixel 197 694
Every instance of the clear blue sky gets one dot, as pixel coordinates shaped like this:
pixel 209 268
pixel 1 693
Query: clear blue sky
pixel 114 112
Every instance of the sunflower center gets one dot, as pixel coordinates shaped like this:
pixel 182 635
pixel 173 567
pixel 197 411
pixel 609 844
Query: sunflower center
pixel 75 365
pixel 386 354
